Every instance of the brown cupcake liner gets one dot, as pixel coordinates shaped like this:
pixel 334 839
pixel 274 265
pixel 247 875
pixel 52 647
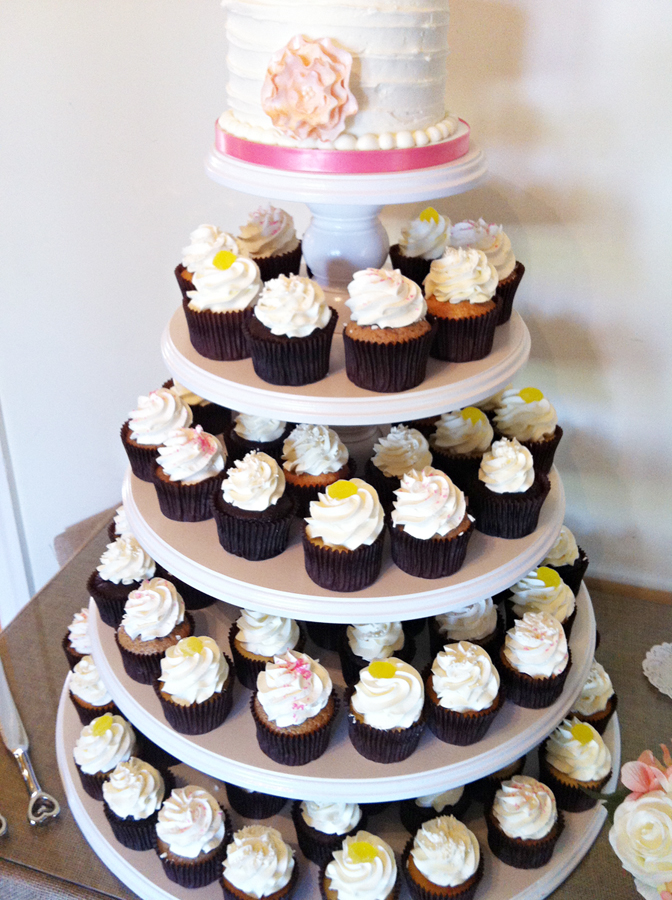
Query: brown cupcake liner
pixel 527 691
pixel 491 643
pixel 413 627
pixel 352 665
pixel 199 718
pixel 543 452
pixel 142 459
pixel 521 853
pixel 485 788
pixel 185 284
pixel 282 360
pixel 378 745
pixel 259 536
pixel 326 635
pixel 385 485
pixel 506 291
pixel 315 845
pixel 429 891
pixel 233 893
pixel 509 516
pixel 199 872
pixel 413 817
pixel 282 264
pixel 239 447
pixel 253 805
pixel 601 719
pixel 71 655
pixel 435 558
pixel 87 712
pixel 93 783
pixel 463 340
pixel 461 468
pixel 343 570
pixel 186 502
pixel 413 267
pixel 153 754
pixel 137 834
pixel 573 574
pixel 218 336
pixel 145 668
pixel 248 669
pixel 568 791
pixel 393 895
pixel 110 598
pixel 387 367
pixel 460 728
pixel 294 748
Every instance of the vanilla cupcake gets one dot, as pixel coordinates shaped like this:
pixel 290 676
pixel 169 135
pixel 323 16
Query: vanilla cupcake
pixel 364 868
pixel 269 238
pixel 313 457
pixel 574 759
pixel 343 538
pixel 530 417
pixel 132 797
pixel 458 443
pixel 568 559
pixel 523 823
pixel 123 567
pixel 294 708
pixel 388 338
pixel 443 860
pixel 401 450
pixel 250 432
pixel 322 825
pixel 597 701
pixel 205 242
pixel 102 744
pixel 189 470
pixel 362 644
pixel 212 418
pixel 77 643
pixel 89 695
pixel 416 811
pixel 386 717
pixel 543 590
pixel 478 623
pixel 255 638
pixel 430 526
pixel 259 863
pixel 157 416
pixel 422 240
pixel 535 660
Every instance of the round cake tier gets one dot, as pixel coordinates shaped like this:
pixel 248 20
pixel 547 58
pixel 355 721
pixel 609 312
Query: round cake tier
pixel 143 873
pixel 191 551
pixel 231 752
pixel 335 400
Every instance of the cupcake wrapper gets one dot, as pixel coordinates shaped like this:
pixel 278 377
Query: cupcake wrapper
pixel 315 845
pixel 218 336
pixel 183 283
pixel 385 746
pixel 282 264
pixel 72 657
pixel 199 718
pixel 569 797
pixel 252 538
pixel 532 693
pixel 195 873
pixel 393 895
pixel 506 291
pixel 290 361
pixel 352 665
pixel 463 891
pixel 186 502
pixel 88 714
pixel 247 670
pixel 387 368
pixel 543 452
pixel 509 516
pixel 110 598
pixel 326 635
pixel 573 575
pixel 413 267
pixel 434 558
pixel 413 627
pixel 461 469
pixel 519 853
pixel 461 729
pixel 254 805
pixel 413 817
pixel 600 720
pixel 135 834
pixel 343 571
pixel 385 485
pixel 93 784
pixel 155 755
pixel 142 459
pixel 463 340
pixel 145 668
pixel 212 418
pixel 234 893
pixel 292 749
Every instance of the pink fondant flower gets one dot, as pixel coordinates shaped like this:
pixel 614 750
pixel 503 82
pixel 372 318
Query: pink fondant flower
pixel 306 92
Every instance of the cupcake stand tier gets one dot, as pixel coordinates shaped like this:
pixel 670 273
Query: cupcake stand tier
pixel 231 752
pixel 142 872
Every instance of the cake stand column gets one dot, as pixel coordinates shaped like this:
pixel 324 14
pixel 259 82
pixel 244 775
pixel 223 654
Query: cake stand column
pixel 342 239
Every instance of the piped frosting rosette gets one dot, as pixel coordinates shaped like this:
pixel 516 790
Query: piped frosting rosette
pixel 543 590
pixel 157 416
pixel 491 239
pixel 381 298
pixel 257 637
pixel 330 816
pixel 105 742
pixel 473 622
pixel 134 790
pixel 254 483
pixel 597 700
pixel 575 756
pixel 86 683
pixel 446 853
pixel 191 822
pixel 526 415
pixel 507 468
pixel 152 610
pixel 461 274
pixel 78 634
pixel 314 450
pixel 258 429
pixel 565 550
pixel 426 236
pixel 462 432
pixel 401 450
pixel 219 288
pixel 364 868
pixel 125 562
pixel 258 862
pixel 361 644
pixel 535 660
pixel 190 463
pixel 204 244
pixel 269 232
pixel 293 307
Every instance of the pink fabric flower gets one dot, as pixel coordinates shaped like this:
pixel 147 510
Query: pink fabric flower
pixel 647 774
pixel 306 92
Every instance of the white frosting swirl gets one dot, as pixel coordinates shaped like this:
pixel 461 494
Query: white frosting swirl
pixel 293 688
pixel 134 790
pixel 446 852
pixel 375 641
pixel 292 306
pixel 507 468
pixel 254 483
pixel 428 504
pixel 153 610
pixel 525 808
pixel 314 450
pixel 464 678
pixel 349 522
pixel 389 702
pixel 192 672
pixel 100 749
pixel 330 816
pixel 225 290
pixel 354 880
pixel 565 550
pixel 158 415
pixel 596 692
pixel 461 274
pixel 533 594
pixel 190 456
pixel 584 762
pixel 527 420
pixel 266 635
pixel 385 299
pixel 191 822
pixel 439 801
pixel 124 561
pixel 78 630
pixel 86 683
pixel 258 862
pixel 641 836
pixel 425 238
pixel 121 525
pixel 400 450
pixel 469 623
pixel 269 232
pixel 204 243
pixel 491 239
pixel 537 646
pixel 258 429
pixel 491 403
pixel 462 434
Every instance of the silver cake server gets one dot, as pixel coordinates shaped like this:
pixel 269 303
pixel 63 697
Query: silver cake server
pixel 41 806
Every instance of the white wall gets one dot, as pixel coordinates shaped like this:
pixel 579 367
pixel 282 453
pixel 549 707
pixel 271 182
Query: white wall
pixel 107 111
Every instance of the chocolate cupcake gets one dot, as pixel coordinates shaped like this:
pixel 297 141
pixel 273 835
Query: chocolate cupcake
pixel 364 860
pixel 249 433
pixel 256 638
pixel 77 643
pixel 313 457
pixel 362 644
pixel 534 661
pixel 543 590
pixel 597 701
pixel 401 450
pixel 568 559
pixel 123 567
pixel 101 745
pixel 89 695
pixel 212 418
pixel 253 804
pixel 132 797
pixel 269 238
pixel 523 823
pixel 443 861
pixel 321 826
pixel 573 760
pixel 422 240
pixel 414 812
pixel 479 623
pixel 158 415
pixel 530 418
pixel 458 443
pixel 276 874
pixel 205 242
pixel 189 470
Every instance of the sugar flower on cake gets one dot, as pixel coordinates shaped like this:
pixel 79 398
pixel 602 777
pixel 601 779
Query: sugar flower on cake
pixel 306 92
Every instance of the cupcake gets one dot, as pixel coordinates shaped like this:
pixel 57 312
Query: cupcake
pixel 89 695
pixel 543 590
pixel 154 619
pixel 77 643
pixel 191 836
pixel 158 415
pixel 101 746
pixel 289 334
pixel 386 717
pixel 568 559
pixel 195 686
pixel 430 527
pixel 119 524
pixel 508 495
pixel 343 538
pixel 362 644
pixel 463 694
pixel 485 788
pixel 256 638
pixel 534 660
pixel 460 290
pixel 259 863
pixel 322 825
pixel 249 433
pixel 443 860
pixel 401 450
pixel 253 804
pixel 492 240
pixel 574 759
pixel 205 242
pixel 421 241
pixel 123 567
pixel 219 305
pixel 597 701
pixel 478 623
pixel 388 338
pixel 530 418
pixel 294 708
pixel 252 511
pixel 414 812
pixel 188 472
pixel 523 823
pixel 458 443
pixel 132 797
pixel 212 418
pixel 313 456
pixel 364 867
pixel 269 238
